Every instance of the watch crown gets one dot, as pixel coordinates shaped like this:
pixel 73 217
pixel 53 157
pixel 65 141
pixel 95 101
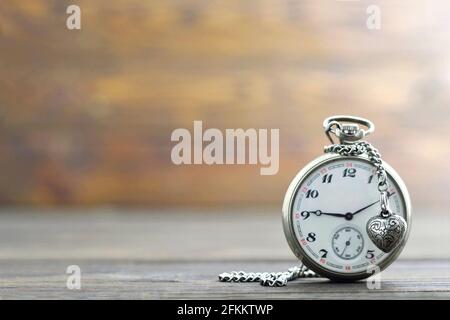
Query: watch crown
pixel 350 129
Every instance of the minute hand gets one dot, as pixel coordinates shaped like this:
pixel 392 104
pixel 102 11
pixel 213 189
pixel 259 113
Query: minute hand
pixel 362 209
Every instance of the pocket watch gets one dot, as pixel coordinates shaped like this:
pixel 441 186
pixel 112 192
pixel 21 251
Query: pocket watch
pixel 346 214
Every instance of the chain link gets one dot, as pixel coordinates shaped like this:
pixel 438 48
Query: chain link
pixel 270 279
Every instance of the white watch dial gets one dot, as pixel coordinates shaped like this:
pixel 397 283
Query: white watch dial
pixel 330 211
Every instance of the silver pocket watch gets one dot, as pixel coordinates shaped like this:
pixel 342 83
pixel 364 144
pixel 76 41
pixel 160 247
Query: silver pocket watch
pixel 345 214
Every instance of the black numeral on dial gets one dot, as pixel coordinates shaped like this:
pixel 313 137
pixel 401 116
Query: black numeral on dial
pixel 311 237
pixel 312 193
pixel 349 172
pixel 305 215
pixel 370 179
pixel 370 254
pixel 323 253
pixel 327 178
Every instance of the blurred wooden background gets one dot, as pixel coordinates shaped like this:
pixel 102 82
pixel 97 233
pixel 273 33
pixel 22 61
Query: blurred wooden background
pixel 86 116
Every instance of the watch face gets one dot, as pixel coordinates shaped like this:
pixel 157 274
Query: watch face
pixel 329 211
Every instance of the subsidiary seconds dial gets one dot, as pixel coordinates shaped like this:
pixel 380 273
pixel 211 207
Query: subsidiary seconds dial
pixel 347 243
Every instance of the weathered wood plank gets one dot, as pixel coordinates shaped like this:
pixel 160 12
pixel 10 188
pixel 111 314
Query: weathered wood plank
pixel 174 235
pixel 102 279
pixel 178 255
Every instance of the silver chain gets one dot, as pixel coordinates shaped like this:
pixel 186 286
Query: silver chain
pixel 280 279
pixel 270 279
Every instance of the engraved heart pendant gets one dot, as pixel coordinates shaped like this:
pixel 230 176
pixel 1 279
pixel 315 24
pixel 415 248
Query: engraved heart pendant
pixel 386 232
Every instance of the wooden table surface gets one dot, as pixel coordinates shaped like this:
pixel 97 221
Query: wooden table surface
pixel 153 254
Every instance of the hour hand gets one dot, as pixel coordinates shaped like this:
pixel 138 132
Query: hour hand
pixel 306 214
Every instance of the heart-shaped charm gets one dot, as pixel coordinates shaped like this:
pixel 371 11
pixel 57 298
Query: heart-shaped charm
pixel 386 232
